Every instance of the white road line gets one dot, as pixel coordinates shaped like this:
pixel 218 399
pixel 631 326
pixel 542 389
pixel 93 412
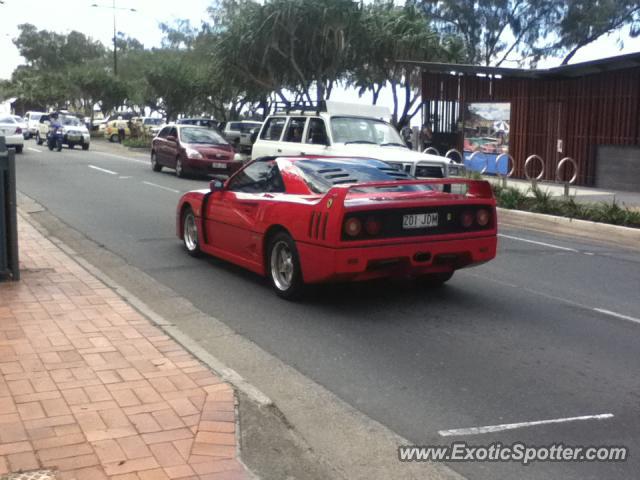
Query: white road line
pixel 543 244
pixel 161 186
pixel 110 172
pixel 124 177
pixel 513 426
pixel 120 157
pixel 617 315
pixel 34 149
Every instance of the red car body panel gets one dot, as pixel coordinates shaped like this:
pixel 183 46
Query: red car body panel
pixel 235 226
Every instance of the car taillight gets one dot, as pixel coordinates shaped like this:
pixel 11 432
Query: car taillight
pixel 467 219
pixel 372 226
pixel 353 227
pixel 18 130
pixel 482 217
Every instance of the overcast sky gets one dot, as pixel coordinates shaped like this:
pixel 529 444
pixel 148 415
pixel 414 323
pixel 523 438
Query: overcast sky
pixel 66 15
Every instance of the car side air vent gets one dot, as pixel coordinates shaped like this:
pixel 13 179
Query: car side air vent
pixel 318 225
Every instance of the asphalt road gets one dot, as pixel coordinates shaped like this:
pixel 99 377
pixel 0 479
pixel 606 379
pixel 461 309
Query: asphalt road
pixel 549 330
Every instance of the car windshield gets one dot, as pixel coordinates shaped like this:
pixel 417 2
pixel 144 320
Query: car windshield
pixel 70 121
pixel 201 135
pixel 364 130
pixel 321 175
pixel 152 121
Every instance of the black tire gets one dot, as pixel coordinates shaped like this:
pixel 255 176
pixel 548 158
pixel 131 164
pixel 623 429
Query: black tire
pixel 19 148
pixel 155 166
pixel 85 146
pixel 180 173
pixel 39 140
pixel 114 138
pixel 190 234
pixel 71 145
pixel 58 145
pixel 287 282
pixel 434 280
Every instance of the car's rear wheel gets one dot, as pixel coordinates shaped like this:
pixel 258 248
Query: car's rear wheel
pixel 190 233
pixel 85 146
pixel 114 138
pixel 179 168
pixel 283 264
pixel 155 166
pixel 434 279
pixel 19 149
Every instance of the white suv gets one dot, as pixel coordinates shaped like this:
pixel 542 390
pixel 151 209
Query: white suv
pixel 346 130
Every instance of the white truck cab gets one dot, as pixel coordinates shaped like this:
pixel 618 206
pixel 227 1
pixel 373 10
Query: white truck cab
pixel 346 130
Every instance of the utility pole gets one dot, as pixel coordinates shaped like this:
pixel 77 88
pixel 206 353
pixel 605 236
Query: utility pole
pixel 113 8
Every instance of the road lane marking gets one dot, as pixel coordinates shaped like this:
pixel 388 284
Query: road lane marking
pixel 513 426
pixel 110 172
pixel 161 186
pixel 124 177
pixel 617 315
pixel 543 244
pixel 120 157
pixel 34 149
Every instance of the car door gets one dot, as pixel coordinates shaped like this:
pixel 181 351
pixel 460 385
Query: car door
pixel 159 146
pixel 233 213
pixel 268 143
pixel 316 138
pixel 291 143
pixel 171 147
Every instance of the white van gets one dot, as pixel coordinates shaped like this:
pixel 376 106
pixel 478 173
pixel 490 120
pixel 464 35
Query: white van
pixel 346 130
pixel 32 119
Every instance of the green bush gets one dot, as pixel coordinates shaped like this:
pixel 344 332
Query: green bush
pixel 137 142
pixel 543 202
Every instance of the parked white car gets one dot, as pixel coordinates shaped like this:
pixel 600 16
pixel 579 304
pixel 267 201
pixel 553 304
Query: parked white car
pixel 347 130
pixel 75 132
pixel 23 125
pixel 238 133
pixel 12 132
pixel 32 119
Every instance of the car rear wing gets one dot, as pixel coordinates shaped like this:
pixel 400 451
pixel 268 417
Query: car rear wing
pixel 475 188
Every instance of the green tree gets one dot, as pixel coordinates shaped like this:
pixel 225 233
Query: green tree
pixel 494 31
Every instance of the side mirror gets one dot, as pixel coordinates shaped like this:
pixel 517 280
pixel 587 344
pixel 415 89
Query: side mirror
pixel 216 185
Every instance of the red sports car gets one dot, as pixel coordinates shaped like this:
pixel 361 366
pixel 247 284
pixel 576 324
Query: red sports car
pixel 308 220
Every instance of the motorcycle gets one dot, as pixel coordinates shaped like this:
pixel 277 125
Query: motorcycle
pixel 54 139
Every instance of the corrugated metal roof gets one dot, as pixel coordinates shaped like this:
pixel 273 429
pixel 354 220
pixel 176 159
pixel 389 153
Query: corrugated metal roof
pixel 621 62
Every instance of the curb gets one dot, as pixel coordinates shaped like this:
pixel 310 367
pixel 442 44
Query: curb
pixel 626 236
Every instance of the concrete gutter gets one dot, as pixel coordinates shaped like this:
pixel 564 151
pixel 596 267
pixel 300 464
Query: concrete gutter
pixel 622 236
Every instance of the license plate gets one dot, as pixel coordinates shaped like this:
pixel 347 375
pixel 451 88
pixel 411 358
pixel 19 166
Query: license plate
pixel 218 165
pixel 420 220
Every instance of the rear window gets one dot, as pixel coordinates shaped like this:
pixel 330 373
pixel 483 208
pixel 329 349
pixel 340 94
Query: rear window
pixel 7 120
pixel 201 136
pixel 321 175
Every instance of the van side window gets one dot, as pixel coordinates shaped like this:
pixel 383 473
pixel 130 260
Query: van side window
pixel 273 129
pixel 295 129
pixel 317 132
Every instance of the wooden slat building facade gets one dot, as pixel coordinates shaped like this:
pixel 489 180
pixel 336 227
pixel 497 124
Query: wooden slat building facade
pixel 575 110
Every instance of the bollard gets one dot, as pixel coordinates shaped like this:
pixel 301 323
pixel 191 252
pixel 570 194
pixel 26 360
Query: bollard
pixel 9 261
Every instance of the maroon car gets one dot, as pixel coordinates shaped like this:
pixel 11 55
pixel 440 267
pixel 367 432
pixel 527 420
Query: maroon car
pixel 192 149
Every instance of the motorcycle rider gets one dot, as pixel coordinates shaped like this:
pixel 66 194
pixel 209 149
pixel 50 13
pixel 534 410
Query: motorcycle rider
pixel 54 126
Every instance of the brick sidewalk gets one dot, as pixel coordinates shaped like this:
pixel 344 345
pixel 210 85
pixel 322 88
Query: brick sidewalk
pixel 91 389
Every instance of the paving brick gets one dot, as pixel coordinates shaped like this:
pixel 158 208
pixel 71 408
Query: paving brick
pixel 23 461
pixel 72 463
pixel 98 393
pixel 109 451
pixel 65 451
pixel 166 454
pixel 179 471
pixel 20 387
pixel 167 436
pixel 183 407
pixel 13 432
pixel 216 438
pixel 15 447
pixel 7 406
pixel 168 419
pixel 30 411
pixel 212 450
pixel 145 423
pixel 155 474
pixel 128 466
pixel 91 473
pixel 58 441
pixel 55 407
pixel 224 427
pixel 75 396
pixel 134 447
